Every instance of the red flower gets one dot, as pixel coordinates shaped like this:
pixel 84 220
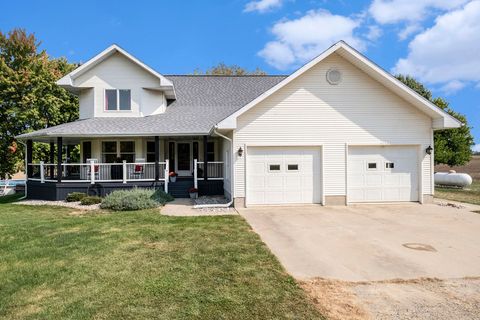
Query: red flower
pixel 173 174
pixel 192 190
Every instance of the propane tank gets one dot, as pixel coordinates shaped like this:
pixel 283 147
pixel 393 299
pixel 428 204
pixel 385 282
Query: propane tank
pixel 452 178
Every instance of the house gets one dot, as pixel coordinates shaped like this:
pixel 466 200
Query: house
pixel 339 130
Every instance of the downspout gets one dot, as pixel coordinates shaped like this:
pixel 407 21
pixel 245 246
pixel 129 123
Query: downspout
pixel 223 205
pixel 26 169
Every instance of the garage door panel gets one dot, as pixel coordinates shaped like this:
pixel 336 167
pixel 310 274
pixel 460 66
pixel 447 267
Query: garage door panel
pixel 301 183
pixel 383 183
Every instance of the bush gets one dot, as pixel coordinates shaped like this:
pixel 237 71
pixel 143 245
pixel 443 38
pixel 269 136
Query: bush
pixel 162 197
pixel 88 201
pixel 75 196
pixel 133 199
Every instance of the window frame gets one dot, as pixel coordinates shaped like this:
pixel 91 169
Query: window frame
pixel 275 170
pixel 372 162
pixel 118 153
pixel 105 106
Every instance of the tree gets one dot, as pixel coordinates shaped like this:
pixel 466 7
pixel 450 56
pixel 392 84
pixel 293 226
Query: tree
pixel 452 146
pixel 222 69
pixel 29 98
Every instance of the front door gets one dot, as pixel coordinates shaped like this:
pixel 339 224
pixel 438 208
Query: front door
pixel 184 159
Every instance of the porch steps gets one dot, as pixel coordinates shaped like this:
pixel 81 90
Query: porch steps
pixel 179 188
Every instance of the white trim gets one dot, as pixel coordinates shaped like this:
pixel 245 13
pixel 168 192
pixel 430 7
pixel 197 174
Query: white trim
pixel 230 122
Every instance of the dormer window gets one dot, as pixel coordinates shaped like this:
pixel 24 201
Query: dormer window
pixel 118 100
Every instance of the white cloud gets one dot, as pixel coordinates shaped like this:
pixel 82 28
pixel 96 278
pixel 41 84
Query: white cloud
pixel 262 5
pixel 395 11
pixel 453 86
pixel 476 148
pixel 374 32
pixel 448 51
pixel 299 40
pixel 409 30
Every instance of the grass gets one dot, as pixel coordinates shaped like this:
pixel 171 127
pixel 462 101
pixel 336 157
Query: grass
pixel 472 195
pixel 139 265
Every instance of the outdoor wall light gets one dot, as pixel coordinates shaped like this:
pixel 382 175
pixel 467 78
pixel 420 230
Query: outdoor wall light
pixel 429 150
pixel 240 151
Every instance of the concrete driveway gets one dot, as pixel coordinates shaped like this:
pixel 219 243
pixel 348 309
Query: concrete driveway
pixel 371 242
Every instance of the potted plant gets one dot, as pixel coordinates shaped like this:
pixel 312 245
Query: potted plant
pixel 193 193
pixel 173 176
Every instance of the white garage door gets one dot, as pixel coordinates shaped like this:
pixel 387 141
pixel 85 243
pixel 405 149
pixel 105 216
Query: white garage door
pixel 283 175
pixel 378 174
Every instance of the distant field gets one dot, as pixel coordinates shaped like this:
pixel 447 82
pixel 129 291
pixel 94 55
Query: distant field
pixel 472 168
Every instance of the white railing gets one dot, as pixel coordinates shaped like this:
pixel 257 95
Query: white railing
pixel 214 170
pixel 99 172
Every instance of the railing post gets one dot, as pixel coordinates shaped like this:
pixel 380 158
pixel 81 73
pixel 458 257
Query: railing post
pixel 92 172
pixel 195 181
pixel 42 173
pixel 167 177
pixel 124 168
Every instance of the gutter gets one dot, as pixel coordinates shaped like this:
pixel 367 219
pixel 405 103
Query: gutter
pixel 223 205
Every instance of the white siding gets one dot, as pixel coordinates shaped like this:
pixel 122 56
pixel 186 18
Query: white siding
pixel 310 111
pixel 118 72
pixel 87 102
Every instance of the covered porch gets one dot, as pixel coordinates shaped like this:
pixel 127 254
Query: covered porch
pixel 99 165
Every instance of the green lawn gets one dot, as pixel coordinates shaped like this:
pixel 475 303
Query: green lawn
pixel 472 195
pixel 139 265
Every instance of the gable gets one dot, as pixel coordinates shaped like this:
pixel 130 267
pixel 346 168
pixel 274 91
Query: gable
pixel 116 68
pixel 441 119
pixel 357 110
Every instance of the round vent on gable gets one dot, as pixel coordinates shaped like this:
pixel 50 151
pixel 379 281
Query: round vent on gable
pixel 334 76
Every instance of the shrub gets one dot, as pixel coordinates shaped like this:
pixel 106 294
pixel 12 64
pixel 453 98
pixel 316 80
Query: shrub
pixel 133 199
pixel 162 197
pixel 89 200
pixel 75 196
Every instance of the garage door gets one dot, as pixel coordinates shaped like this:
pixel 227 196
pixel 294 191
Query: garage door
pixel 283 175
pixel 378 174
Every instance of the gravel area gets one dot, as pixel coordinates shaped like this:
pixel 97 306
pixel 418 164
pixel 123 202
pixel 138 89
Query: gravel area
pixel 397 299
pixel 213 200
pixel 74 205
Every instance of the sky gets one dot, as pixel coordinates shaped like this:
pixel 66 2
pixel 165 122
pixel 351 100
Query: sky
pixel 436 41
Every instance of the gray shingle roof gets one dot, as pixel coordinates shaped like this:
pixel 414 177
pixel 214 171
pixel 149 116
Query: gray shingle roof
pixel 202 102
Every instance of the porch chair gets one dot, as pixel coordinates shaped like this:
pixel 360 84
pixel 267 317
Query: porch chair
pixel 138 170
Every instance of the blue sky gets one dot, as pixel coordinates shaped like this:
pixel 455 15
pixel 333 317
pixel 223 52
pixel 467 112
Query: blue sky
pixel 437 41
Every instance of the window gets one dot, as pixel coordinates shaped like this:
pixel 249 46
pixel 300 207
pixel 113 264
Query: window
pixel 372 165
pixel 171 155
pixel 127 151
pixel 292 167
pixel 150 151
pixel 274 167
pixel 389 165
pixel 118 100
pixel 111 150
pixel 210 151
pixel 87 151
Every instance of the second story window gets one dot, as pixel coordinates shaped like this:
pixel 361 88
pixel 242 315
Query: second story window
pixel 118 99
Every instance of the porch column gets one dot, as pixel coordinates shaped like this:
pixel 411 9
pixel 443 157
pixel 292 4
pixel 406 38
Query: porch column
pixel 29 158
pixel 52 160
pixel 157 158
pixel 205 161
pixel 59 158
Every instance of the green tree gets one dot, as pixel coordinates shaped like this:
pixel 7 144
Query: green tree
pixel 222 69
pixel 452 146
pixel 29 98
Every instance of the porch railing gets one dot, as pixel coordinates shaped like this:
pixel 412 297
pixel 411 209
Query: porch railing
pixel 98 172
pixel 214 170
